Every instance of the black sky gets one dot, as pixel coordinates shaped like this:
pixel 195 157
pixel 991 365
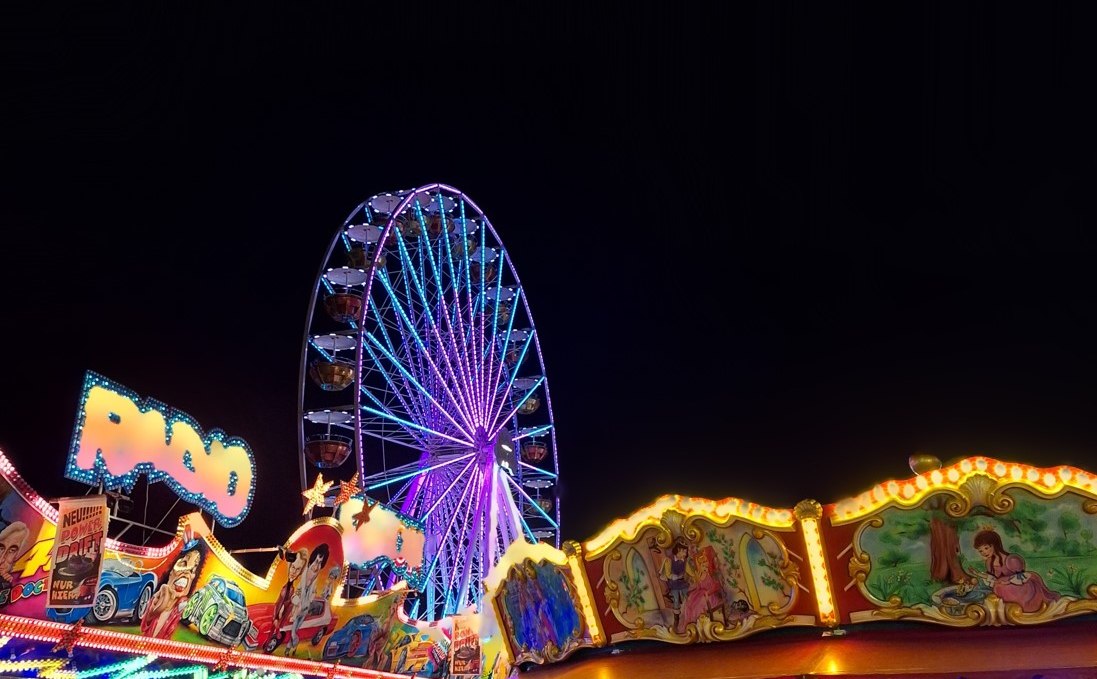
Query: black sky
pixel 771 250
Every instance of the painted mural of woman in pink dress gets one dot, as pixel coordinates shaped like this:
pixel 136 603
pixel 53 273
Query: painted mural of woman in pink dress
pixel 1007 576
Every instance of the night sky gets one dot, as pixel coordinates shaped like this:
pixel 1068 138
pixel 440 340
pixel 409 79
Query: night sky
pixel 770 251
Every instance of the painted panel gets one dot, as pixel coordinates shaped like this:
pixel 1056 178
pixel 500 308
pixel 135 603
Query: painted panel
pixel 983 548
pixel 687 570
pixel 541 600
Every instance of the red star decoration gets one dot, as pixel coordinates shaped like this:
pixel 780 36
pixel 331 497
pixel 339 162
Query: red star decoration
pixel 69 638
pixel 315 495
pixel 332 670
pixel 346 489
pixel 362 516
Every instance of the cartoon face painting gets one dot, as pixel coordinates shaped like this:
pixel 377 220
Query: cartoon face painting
pixel 166 607
pixel 13 538
pixel 297 566
pixel 184 572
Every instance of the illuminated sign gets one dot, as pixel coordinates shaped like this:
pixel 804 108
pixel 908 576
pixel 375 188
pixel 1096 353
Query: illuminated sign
pixel 119 436
pixel 374 533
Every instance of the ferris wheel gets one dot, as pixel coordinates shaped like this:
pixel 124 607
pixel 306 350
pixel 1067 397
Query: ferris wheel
pixel 422 372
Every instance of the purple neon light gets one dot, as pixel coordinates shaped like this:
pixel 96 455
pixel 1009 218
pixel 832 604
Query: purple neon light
pixel 419 409
pixel 425 355
pixel 409 376
pixel 445 493
pixel 465 411
pixel 462 383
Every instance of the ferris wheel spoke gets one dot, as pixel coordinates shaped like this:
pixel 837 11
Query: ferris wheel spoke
pixel 446 493
pixel 420 412
pixel 391 472
pixel 488 354
pixel 396 391
pixel 467 303
pixel 505 344
pixel 522 400
pixel 536 431
pixel 447 349
pixel 402 442
pixel 479 338
pixel 532 502
pixel 417 472
pixel 474 545
pixel 507 511
pixel 409 340
pixel 498 424
pixel 441 537
pixel 536 469
pixel 517 520
pixel 491 543
pixel 463 545
pixel 458 349
pixel 413 425
pixel 419 284
pixel 426 355
pixel 424 391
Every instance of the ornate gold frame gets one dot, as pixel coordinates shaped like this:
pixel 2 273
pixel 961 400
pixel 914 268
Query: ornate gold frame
pixel 568 561
pixel 705 629
pixel 977 489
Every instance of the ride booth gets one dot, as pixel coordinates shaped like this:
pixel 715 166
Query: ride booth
pixel 999 557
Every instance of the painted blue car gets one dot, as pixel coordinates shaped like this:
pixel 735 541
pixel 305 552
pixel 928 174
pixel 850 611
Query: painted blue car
pixel 123 594
pixel 352 640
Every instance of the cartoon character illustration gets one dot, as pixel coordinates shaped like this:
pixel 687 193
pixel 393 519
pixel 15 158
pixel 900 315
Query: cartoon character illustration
pixel 283 608
pixel 124 593
pixel 676 573
pixel 309 613
pixel 219 611
pixel 166 607
pixel 353 640
pixel 13 538
pixel 1007 577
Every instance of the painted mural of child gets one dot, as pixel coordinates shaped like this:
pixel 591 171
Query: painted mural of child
pixel 1007 576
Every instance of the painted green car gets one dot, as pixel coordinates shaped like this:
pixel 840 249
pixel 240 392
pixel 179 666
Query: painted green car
pixel 219 612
